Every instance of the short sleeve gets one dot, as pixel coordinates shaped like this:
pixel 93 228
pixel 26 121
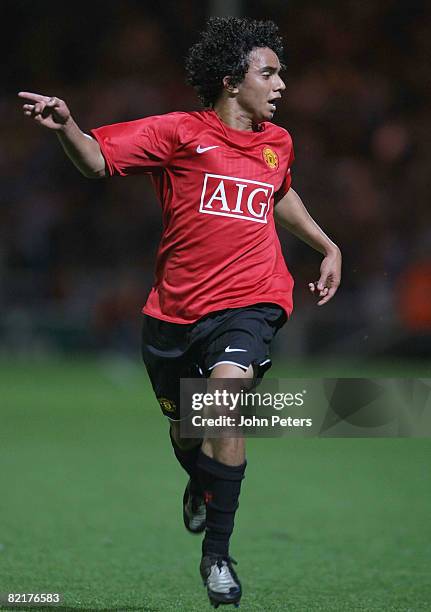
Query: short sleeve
pixel 142 146
pixel 287 181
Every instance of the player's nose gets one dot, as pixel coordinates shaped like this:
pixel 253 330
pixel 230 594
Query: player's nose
pixel 280 85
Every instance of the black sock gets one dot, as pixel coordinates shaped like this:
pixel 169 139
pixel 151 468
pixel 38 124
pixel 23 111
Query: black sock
pixel 188 460
pixel 221 485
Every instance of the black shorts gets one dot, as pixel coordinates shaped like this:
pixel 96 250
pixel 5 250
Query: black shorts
pixel 238 336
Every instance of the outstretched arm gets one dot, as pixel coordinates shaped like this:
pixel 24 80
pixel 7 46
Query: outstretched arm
pixel 54 114
pixel 291 213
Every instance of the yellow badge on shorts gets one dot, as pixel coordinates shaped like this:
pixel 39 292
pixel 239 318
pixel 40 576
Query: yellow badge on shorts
pixel 166 405
pixel 271 158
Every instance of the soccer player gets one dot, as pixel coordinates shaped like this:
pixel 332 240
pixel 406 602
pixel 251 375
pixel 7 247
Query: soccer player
pixel 222 289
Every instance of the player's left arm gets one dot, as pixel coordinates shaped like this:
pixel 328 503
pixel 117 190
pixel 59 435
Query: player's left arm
pixel 291 213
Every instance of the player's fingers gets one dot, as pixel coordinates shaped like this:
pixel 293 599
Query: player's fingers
pixel 329 295
pixel 33 96
pixel 38 107
pixel 52 102
pixel 43 108
pixel 321 283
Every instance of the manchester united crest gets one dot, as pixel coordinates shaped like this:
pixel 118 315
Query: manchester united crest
pixel 270 157
pixel 166 405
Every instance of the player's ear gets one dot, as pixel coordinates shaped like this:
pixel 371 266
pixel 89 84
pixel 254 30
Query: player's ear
pixel 230 87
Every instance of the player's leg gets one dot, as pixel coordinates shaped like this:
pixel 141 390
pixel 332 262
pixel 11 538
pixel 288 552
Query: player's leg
pixel 222 466
pixel 187 452
pixel 234 345
pixel 164 351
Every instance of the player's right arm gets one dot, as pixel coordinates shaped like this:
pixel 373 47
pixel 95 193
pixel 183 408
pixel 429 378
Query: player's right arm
pixel 53 113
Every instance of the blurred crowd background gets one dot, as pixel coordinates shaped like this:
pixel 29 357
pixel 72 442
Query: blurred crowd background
pixel 77 255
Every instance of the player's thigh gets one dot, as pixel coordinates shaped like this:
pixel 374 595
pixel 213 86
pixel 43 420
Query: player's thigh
pixel 241 338
pixel 165 354
pixel 226 370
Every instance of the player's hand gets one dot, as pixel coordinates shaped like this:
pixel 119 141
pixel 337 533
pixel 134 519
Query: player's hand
pixel 51 112
pixel 330 277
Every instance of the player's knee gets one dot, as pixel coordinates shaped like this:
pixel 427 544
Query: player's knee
pixel 230 451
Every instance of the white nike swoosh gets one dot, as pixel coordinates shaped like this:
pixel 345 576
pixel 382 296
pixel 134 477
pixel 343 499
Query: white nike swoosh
pixel 231 350
pixel 200 149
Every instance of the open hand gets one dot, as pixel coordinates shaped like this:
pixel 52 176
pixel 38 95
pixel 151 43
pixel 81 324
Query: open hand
pixel 330 277
pixel 51 112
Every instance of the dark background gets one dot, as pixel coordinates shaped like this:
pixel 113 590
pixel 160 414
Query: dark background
pixel 77 256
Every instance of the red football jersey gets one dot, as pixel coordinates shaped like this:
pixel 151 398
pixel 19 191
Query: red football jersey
pixel 217 187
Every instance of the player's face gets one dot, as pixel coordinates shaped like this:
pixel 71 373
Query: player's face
pixel 262 85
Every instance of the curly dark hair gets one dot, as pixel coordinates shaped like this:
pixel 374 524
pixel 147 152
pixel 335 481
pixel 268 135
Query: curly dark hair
pixel 223 49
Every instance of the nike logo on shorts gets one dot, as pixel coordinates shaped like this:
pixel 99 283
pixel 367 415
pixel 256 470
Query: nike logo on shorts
pixel 200 149
pixel 233 350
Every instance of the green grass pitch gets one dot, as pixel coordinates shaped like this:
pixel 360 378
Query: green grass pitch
pixel 90 505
